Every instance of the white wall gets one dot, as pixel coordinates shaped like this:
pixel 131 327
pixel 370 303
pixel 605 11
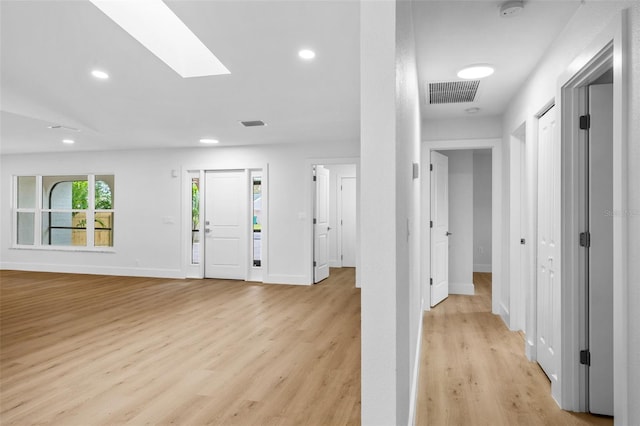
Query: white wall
pixel 633 212
pixel 461 218
pixel 482 211
pixel 146 194
pixel 585 34
pixel 390 219
pixel 337 172
pixel 471 127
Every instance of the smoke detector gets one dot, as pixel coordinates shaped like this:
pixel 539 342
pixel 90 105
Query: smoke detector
pixel 511 8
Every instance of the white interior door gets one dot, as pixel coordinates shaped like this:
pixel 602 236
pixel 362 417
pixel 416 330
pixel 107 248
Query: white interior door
pixel 321 225
pixel 226 224
pixel 348 221
pixel 601 249
pixel 439 228
pixel 525 241
pixel 548 291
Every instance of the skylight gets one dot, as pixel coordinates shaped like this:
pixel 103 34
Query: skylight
pixel 157 28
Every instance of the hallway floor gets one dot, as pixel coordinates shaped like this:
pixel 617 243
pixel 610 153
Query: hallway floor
pixel 474 371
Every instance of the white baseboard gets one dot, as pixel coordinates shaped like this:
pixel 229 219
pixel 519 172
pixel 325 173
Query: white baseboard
pixel 94 270
pixel 504 314
pixel 413 396
pixel 462 288
pixel 481 267
pixel 530 350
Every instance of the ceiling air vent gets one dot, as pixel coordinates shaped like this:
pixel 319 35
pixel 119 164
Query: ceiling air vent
pixel 254 123
pixel 453 92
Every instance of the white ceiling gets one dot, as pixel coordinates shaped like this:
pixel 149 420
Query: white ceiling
pixel 453 34
pixel 48 49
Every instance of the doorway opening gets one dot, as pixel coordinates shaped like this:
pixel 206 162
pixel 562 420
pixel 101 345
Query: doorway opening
pixel 495 247
pixel 334 218
pixel 461 251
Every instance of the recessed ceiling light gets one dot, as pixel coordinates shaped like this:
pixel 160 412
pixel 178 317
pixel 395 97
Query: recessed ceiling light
pixel 157 28
pixel 209 141
pixel 68 141
pixel 476 71
pixel 100 74
pixel 307 54
pixel 472 110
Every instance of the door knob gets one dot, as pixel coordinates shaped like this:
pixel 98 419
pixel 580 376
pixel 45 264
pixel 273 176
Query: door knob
pixel 448 233
pixel 328 228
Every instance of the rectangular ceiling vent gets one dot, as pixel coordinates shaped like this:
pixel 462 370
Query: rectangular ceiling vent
pixel 453 92
pixel 254 123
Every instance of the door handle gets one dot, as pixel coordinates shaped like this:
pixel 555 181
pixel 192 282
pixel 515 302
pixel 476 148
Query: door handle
pixel 449 233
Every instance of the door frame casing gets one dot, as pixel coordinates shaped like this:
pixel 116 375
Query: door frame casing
pixel 608 49
pixel 495 145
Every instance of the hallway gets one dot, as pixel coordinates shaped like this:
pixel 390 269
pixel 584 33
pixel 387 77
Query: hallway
pixel 473 370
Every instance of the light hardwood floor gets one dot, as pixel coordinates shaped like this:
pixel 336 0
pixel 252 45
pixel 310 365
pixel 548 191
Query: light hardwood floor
pixel 89 350
pixel 474 371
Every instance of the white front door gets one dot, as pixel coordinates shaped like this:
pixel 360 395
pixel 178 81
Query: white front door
pixel 548 290
pixel 348 221
pixel 439 228
pixel 321 225
pixel 601 249
pixel 226 224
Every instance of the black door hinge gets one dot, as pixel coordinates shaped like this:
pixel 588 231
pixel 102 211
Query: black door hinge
pixel 585 239
pixel 430 281
pixel 585 357
pixel 430 167
pixel 430 224
pixel 314 263
pixel 585 122
pixel 314 178
pixel 314 221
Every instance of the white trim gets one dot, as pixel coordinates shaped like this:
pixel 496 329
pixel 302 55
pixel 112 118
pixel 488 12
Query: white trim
pixel 504 313
pixel 413 395
pixel 93 270
pixel 467 289
pixel 482 267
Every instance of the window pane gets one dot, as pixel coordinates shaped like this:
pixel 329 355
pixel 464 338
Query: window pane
pixel 104 192
pixel 26 222
pixel 26 192
pixel 257 220
pixel 103 234
pixel 65 192
pixel 64 228
pixel 195 221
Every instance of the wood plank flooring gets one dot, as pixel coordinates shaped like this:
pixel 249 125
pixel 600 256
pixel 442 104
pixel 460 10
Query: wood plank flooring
pixel 474 371
pixel 91 350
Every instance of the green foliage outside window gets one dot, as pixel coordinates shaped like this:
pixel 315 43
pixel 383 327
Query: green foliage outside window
pixel 80 195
